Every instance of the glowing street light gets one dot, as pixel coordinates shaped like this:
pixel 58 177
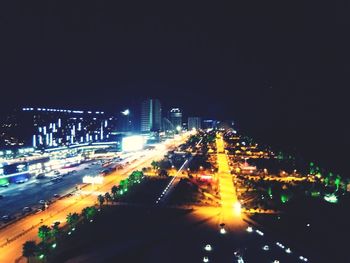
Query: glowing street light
pixel 237 208
pixel 126 112
pixel 249 229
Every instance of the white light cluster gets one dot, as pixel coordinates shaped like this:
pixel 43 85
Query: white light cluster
pixel 133 143
pixel 60 110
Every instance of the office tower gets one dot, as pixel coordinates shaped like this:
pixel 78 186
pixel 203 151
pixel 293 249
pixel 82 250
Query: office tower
pixel 194 123
pixel 151 115
pixel 175 117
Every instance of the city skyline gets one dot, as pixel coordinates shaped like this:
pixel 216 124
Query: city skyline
pixel 169 132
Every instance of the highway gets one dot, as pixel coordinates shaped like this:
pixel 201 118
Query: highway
pixel 13 236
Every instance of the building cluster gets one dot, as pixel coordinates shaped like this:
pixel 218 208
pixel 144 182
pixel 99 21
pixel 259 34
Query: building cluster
pixel 45 128
pixel 153 119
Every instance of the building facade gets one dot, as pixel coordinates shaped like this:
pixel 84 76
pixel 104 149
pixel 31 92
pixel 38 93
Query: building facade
pixel 175 117
pixel 43 128
pixel 194 123
pixel 151 115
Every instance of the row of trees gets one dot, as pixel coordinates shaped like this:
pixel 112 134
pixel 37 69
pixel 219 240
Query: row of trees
pixel 49 236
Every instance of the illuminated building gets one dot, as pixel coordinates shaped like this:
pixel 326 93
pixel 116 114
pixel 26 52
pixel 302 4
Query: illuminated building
pixel 194 123
pixel 43 128
pixel 151 115
pixel 209 124
pixel 175 117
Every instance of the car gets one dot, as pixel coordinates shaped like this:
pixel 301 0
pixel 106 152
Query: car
pixel 42 202
pixel 55 223
pixel 39 210
pixel 56 195
pixel 7 218
pixel 26 210
pixel 21 181
pixel 40 176
pixel 57 179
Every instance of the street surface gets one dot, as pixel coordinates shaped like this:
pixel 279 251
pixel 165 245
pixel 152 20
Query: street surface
pixel 13 236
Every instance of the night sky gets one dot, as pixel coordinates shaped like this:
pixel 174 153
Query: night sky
pixel 281 70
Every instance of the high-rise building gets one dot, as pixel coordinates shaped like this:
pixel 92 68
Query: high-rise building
pixel 175 117
pixel 194 123
pixel 151 115
pixel 209 124
pixel 125 121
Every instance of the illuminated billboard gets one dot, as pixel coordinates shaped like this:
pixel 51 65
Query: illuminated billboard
pixel 133 143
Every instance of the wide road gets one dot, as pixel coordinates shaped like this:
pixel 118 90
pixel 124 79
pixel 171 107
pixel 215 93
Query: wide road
pixel 230 207
pixel 17 196
pixel 26 229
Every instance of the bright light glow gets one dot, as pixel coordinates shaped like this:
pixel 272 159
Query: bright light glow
pixel 249 229
pixel 178 128
pixel 205 259
pixel 93 179
pixel 288 250
pixel 126 112
pixel 259 232
pixel 133 143
pixel 303 258
pixel 266 248
pixel 54 245
pixel 280 245
pixel 331 198
pixel 237 207
pixel 222 231
pixel 208 247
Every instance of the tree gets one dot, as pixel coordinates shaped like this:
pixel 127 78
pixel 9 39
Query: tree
pixel 108 197
pixel 163 173
pixel 114 191
pixel 72 219
pixel 155 164
pixel 29 249
pixel 89 212
pixel 55 231
pixel 44 233
pixel 101 200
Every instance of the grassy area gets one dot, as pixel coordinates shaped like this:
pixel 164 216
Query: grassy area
pixel 147 192
pixel 187 192
pixel 115 234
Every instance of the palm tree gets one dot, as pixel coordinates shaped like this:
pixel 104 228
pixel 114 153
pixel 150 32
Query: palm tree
pixel 44 233
pixel 72 219
pixel 101 200
pixel 114 191
pixel 155 164
pixel 89 212
pixel 108 197
pixel 29 249
pixel 55 231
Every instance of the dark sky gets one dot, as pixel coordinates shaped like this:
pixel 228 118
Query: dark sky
pixel 279 68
